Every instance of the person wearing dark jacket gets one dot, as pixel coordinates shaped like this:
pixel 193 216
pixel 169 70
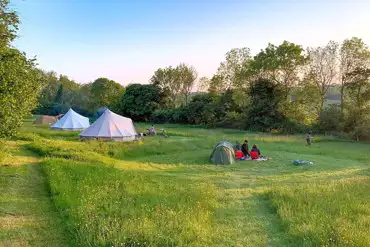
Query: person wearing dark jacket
pixel 255 152
pixel 245 148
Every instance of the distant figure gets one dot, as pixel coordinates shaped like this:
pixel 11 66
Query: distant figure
pixel 308 139
pixel 255 152
pixel 245 148
pixel 152 130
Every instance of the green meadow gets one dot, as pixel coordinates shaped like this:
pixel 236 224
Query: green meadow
pixel 58 191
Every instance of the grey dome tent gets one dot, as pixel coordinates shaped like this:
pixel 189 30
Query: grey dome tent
pixel 223 154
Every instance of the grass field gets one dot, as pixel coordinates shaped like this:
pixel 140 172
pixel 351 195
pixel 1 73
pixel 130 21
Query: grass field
pixel 57 191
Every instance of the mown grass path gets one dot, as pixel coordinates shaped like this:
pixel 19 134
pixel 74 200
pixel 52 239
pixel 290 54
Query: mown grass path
pixel 27 214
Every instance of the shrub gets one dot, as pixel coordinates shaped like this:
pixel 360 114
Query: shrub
pixel 169 116
pixel 329 119
pixel 234 120
pixel 264 113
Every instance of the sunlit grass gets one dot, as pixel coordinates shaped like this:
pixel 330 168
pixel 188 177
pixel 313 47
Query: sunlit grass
pixel 164 192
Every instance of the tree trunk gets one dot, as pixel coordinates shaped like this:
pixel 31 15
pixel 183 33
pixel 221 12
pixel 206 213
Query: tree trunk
pixel 342 100
pixel 322 99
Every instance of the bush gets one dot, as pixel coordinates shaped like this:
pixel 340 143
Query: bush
pixel 291 126
pixel 233 120
pixel 264 113
pixel 357 123
pixel 169 116
pixel 140 101
pixel 329 119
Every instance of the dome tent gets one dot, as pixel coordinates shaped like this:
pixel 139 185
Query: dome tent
pixel 72 121
pixel 223 154
pixel 110 126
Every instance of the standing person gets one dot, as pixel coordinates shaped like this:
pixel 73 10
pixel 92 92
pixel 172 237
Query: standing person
pixel 245 148
pixel 308 138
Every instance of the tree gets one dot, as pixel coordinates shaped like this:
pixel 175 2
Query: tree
pixel 354 55
pixel 20 80
pixel 175 84
pixel 216 85
pixel 185 76
pixel 20 84
pixel 281 64
pixel 357 119
pixel 359 87
pixel 169 87
pixel 140 101
pixel 49 91
pixel 203 84
pixel 82 103
pixel 232 71
pixel 105 92
pixel 323 69
pixel 264 113
pixel 67 91
pixel 202 110
pixel 9 22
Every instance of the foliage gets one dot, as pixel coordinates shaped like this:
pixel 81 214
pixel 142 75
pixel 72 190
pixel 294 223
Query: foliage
pixel 233 120
pixel 20 80
pixel 67 92
pixel 105 92
pixel 281 64
pixel 178 115
pixel 202 110
pixel 354 55
pixel 329 119
pixel 169 87
pixel 9 22
pixel 175 84
pixel 322 69
pixel 232 70
pixel 185 76
pixel 264 113
pixel 20 84
pixel 140 101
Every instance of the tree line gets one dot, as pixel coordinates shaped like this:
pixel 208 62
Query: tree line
pixel 283 88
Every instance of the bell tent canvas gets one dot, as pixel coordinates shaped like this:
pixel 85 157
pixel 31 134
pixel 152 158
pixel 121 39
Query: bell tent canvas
pixel 110 127
pixel 223 154
pixel 72 121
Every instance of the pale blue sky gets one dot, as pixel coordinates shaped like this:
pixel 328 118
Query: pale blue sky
pixel 128 40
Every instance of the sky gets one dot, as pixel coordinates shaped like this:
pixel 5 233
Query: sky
pixel 127 41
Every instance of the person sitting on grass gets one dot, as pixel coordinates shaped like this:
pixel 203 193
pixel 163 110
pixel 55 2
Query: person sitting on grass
pixel 245 148
pixel 152 131
pixel 239 154
pixel 255 152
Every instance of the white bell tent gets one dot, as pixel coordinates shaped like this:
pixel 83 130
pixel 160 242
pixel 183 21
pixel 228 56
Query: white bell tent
pixel 110 126
pixel 72 121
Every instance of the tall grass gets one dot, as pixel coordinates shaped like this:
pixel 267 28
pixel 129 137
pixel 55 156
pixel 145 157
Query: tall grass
pixel 163 191
pixel 109 207
pixel 325 214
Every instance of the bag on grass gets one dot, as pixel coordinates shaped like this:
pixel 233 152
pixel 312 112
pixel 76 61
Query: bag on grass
pixel 301 162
